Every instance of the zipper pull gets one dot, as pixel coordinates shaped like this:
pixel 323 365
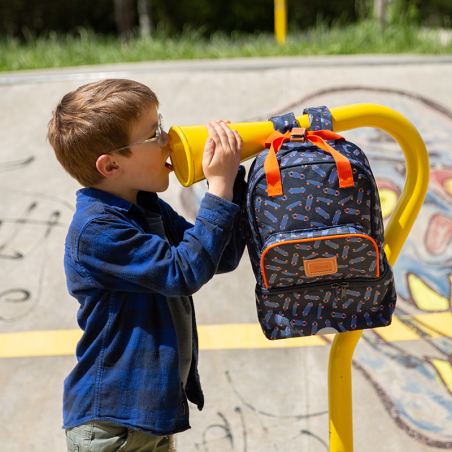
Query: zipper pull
pixel 336 286
pixel 340 294
pixel 343 290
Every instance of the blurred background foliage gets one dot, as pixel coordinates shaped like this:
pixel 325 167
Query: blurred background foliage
pixel 24 19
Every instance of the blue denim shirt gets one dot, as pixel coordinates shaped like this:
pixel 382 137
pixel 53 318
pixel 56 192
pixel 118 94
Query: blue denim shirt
pixel 127 368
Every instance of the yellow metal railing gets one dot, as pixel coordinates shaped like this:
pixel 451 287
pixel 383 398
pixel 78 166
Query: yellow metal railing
pixel 397 230
pixel 188 145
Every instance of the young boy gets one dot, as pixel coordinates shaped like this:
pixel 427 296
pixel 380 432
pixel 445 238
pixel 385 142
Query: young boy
pixel 133 263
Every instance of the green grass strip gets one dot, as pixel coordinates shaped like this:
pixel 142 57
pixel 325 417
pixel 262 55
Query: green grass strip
pixel 88 48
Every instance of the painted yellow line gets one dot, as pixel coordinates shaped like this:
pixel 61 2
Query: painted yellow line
pixel 39 343
pixel 247 335
pixel 211 337
pixel 214 337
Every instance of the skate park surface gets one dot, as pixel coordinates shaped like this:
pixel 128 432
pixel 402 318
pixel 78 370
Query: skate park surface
pixel 261 395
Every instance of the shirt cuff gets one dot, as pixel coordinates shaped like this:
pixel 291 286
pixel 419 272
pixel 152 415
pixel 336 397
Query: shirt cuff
pixel 218 210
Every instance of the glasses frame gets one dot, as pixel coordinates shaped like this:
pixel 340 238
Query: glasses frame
pixel 158 137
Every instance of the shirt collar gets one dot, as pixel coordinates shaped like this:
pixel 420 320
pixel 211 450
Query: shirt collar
pixel 145 199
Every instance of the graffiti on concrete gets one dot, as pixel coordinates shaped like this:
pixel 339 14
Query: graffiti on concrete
pixel 234 431
pixel 26 224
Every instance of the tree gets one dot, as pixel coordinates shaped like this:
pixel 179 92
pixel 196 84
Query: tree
pixel 379 12
pixel 124 17
pixel 144 17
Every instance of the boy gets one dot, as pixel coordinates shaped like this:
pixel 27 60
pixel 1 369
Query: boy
pixel 133 264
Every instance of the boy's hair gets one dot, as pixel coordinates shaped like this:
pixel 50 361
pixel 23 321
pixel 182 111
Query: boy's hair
pixel 93 120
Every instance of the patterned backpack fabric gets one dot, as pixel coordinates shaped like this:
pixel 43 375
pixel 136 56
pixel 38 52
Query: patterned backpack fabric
pixel 315 233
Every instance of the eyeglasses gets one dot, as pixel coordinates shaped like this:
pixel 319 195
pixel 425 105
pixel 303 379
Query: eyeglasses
pixel 158 137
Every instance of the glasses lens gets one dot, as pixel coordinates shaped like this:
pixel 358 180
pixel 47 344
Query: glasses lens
pixel 160 131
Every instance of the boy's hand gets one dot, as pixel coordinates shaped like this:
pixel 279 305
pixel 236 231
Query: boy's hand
pixel 221 159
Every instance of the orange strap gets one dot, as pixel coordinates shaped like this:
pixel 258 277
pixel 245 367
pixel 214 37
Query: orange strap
pixel 344 168
pixel 276 139
pixel 271 165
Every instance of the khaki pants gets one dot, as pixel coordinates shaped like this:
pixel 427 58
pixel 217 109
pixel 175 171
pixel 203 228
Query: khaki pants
pixel 100 436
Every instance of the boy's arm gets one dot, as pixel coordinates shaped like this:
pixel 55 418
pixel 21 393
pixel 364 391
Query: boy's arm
pixel 221 171
pixel 234 249
pixel 111 253
pixel 226 179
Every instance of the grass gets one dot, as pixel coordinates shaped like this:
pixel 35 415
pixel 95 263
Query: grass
pixel 88 48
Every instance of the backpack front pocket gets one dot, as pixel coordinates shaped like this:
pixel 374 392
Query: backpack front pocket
pixel 307 309
pixel 330 254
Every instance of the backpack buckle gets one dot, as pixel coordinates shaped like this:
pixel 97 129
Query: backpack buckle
pixel 298 134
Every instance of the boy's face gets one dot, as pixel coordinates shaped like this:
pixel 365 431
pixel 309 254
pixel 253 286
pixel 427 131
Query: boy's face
pixel 147 168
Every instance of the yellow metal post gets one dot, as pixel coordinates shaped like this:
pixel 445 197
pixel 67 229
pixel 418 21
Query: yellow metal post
pixel 397 230
pixel 280 21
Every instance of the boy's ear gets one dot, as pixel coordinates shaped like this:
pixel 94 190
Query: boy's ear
pixel 108 166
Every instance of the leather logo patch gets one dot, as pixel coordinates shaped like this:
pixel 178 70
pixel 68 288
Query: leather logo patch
pixel 321 266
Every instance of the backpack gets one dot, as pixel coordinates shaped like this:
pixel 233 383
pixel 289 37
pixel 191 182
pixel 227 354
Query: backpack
pixel 315 233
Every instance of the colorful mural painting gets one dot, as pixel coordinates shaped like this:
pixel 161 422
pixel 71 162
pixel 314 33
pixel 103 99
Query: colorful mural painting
pixel 411 378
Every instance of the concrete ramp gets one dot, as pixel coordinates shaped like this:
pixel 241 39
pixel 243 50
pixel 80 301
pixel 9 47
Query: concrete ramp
pixel 261 396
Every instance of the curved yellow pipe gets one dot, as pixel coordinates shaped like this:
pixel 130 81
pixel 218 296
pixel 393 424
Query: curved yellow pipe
pixel 397 230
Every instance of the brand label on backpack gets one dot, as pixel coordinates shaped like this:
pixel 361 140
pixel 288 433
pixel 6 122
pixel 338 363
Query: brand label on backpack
pixel 316 267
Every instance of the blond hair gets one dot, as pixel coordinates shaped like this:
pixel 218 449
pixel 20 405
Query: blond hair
pixel 93 120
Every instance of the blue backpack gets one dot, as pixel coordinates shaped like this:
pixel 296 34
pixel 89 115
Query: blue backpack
pixel 315 233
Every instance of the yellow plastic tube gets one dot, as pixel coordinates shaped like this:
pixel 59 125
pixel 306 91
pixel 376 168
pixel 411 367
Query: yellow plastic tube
pixel 187 143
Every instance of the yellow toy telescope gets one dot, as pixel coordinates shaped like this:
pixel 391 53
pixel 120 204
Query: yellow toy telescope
pixel 187 143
